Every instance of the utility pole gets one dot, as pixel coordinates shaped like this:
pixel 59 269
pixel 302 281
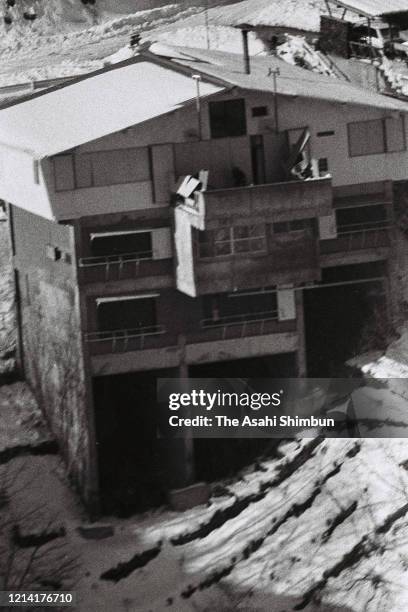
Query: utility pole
pixel 207 29
pixel 275 72
pixel 197 78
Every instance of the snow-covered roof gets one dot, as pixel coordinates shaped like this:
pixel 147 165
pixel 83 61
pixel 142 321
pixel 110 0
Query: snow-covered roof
pixel 373 8
pixel 147 86
pixel 96 105
pixel 298 14
pixel 292 80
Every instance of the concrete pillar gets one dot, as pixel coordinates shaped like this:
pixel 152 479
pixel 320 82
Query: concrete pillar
pixel 300 324
pixel 180 451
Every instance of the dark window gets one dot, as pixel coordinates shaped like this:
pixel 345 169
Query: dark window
pixel 297 225
pixel 52 252
pixel 258 159
pixel 227 118
pixel 361 218
pixel 323 166
pixel 234 307
pixel 126 313
pixel 328 133
pixel 259 111
pixel 122 243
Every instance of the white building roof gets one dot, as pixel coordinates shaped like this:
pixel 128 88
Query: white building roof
pixel 94 106
pixel 373 8
pixel 292 80
pixel 298 14
pixel 110 100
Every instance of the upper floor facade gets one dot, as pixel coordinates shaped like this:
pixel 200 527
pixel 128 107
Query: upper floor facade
pixel 243 135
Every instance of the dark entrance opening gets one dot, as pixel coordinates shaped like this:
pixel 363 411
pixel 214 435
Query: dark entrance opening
pixel 223 457
pixel 131 477
pixel 338 318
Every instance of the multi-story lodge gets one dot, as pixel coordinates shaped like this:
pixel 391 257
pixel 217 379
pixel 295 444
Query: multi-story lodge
pixel 192 215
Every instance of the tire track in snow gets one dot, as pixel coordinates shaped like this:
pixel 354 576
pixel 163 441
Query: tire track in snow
pixel 295 511
pixel 222 516
pixel 364 547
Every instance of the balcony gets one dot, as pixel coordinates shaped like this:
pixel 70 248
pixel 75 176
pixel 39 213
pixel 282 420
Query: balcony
pixel 358 238
pixel 242 264
pixel 126 340
pixel 127 350
pixel 121 267
pixel 272 201
pixel 241 326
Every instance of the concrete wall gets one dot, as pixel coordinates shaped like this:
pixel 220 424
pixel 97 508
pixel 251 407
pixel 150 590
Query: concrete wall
pixel 294 113
pixel 18 182
pixel 51 351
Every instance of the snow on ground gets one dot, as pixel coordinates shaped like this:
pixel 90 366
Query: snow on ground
pixel 328 521
pixel 68 39
pixel 20 419
pixel 299 14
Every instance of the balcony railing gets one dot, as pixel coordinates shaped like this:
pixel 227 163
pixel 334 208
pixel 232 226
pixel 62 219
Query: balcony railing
pixel 362 50
pixel 314 196
pixel 358 237
pixel 121 266
pixel 241 326
pixel 123 340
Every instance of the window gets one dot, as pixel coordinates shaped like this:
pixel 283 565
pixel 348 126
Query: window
pixel 101 168
pixel 249 238
pixel 361 218
pixel 121 166
pixel 233 307
pixel 376 136
pixel 323 165
pixel 120 243
pixel 297 225
pixel 52 252
pixel 126 312
pixel 327 133
pixel 366 137
pixel 227 118
pixel 395 131
pixel 231 240
pixel 260 111
pixel 64 172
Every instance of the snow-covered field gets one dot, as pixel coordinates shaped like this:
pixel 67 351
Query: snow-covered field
pixel 69 38
pixel 325 523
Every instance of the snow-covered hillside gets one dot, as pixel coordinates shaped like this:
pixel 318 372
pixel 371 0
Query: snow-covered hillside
pixel 69 38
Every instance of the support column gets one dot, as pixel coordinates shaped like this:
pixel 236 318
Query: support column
pixel 300 325
pixel 180 451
